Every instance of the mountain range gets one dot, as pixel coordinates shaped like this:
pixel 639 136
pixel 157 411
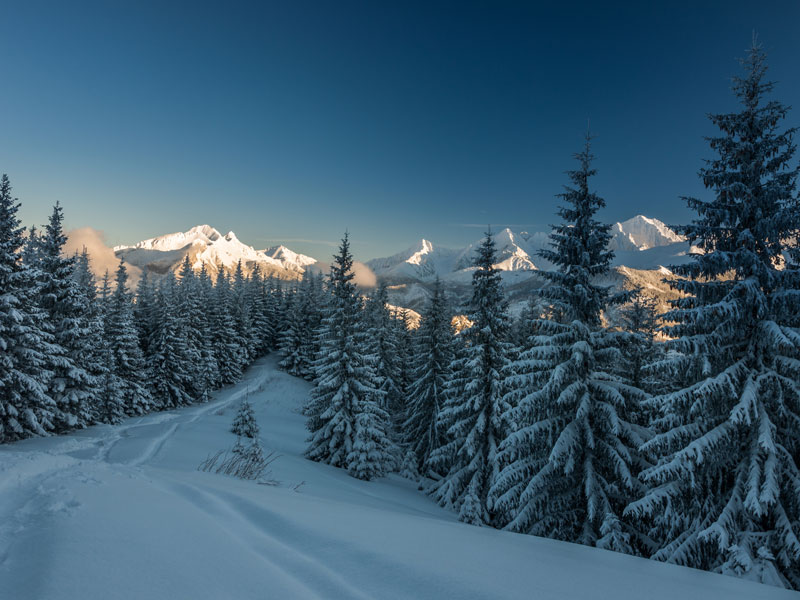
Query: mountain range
pixel 643 247
pixel 640 242
pixel 204 245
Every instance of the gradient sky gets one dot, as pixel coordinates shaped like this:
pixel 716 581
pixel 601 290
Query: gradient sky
pixel 289 122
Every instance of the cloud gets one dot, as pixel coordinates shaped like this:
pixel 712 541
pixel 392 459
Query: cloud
pixel 364 276
pixel 101 256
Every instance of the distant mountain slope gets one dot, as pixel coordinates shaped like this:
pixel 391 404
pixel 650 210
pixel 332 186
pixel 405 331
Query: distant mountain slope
pixel 419 262
pixel 640 242
pixel 642 246
pixel 642 233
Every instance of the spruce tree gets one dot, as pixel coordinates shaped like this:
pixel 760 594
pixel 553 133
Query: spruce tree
pixel 170 363
pixel 208 371
pixel 230 354
pixel 144 310
pixel 240 313
pixel 728 477
pixel 472 416
pixel 404 334
pixel 291 338
pixel 299 338
pixel 570 461
pixel 106 406
pixel 26 407
pixel 639 320
pixel 32 248
pixel 271 311
pixel 192 328
pixel 245 424
pixel 382 337
pixel 123 340
pixel 72 387
pixel 433 354
pixel 258 299
pixel 348 426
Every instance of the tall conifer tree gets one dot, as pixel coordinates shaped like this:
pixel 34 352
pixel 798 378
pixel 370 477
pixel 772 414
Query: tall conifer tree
pixel 26 407
pixel 348 426
pixel 570 462
pixel 728 477
pixel 473 414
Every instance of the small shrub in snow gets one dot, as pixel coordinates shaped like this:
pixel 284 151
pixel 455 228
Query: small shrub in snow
pixel 245 462
pixel 408 467
pixel 244 424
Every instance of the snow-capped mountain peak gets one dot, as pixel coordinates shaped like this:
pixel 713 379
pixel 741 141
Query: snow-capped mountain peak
pixel 642 233
pixel 205 245
pixel 423 261
pixel 417 256
pixel 204 234
pixel 288 259
pixel 513 253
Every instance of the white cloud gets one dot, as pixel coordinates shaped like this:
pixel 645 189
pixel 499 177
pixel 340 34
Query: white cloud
pixel 101 255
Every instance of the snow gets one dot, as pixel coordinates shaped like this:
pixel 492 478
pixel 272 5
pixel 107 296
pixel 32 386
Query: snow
pixel 122 511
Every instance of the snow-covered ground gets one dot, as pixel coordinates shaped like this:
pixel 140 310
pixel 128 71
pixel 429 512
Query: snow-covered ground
pixel 122 512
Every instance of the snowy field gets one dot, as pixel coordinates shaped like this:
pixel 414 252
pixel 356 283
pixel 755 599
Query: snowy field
pixel 122 512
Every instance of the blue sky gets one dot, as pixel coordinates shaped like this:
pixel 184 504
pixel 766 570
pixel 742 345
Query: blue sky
pixel 289 122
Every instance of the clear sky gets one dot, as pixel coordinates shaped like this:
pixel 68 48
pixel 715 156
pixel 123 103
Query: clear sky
pixel 291 121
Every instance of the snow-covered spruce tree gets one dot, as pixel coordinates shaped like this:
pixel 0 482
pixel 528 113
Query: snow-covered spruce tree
pixel 110 406
pixel 72 387
pixel 524 327
pixel 382 338
pixel 106 405
pixel 32 249
pixel 272 313
pixel 433 354
pixel 309 341
pixel 240 313
pixel 244 423
pixel 258 298
pixel 571 461
pixel 229 353
pixel 170 362
pixel 104 294
pixel 291 336
pixel 639 319
pixel 26 408
pixel 472 416
pixel 123 340
pixel 193 326
pixel 208 371
pixel 144 310
pixel 348 426
pixel 728 479
pixel 404 334
pixel 299 338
